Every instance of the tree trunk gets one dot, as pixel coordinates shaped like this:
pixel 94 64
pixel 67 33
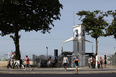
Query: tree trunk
pixel 17 43
pixel 96 47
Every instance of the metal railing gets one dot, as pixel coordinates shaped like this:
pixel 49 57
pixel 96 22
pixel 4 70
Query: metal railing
pixel 111 60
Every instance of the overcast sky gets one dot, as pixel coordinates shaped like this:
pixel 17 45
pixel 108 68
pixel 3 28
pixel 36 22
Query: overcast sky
pixel 36 42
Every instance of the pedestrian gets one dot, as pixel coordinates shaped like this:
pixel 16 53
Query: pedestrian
pixel 65 62
pixel 27 63
pixel 77 63
pixel 74 62
pixel 89 62
pixel 98 65
pixel 13 64
pixel 101 62
pixel 55 62
pixel 105 62
pixel 49 62
pixel 8 64
pixel 92 62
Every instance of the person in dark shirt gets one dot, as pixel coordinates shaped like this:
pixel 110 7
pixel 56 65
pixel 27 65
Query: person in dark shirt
pixel 105 62
pixel 8 64
pixel 55 62
pixel 76 64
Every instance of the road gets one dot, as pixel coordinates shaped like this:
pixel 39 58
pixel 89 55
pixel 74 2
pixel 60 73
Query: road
pixel 58 75
pixel 57 71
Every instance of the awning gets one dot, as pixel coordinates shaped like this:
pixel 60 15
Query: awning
pixel 72 39
pixel 68 40
pixel 88 41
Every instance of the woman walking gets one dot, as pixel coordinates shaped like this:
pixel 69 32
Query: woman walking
pixel 105 62
pixel 77 64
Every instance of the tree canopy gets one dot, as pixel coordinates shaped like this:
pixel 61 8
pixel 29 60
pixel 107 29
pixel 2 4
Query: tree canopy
pixel 111 30
pixel 27 15
pixel 94 23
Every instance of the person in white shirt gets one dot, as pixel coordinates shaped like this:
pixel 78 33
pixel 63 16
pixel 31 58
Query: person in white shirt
pixel 65 62
pixel 89 62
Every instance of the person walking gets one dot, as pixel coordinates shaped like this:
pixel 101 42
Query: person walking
pixel 89 62
pixel 55 62
pixel 13 64
pixel 92 62
pixel 9 64
pixel 105 62
pixel 101 62
pixel 27 63
pixel 77 63
pixel 65 62
pixel 49 62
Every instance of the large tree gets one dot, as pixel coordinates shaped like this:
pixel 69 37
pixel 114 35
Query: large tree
pixel 111 30
pixel 27 15
pixel 94 23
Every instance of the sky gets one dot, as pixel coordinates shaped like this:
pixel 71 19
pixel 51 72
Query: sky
pixel 36 42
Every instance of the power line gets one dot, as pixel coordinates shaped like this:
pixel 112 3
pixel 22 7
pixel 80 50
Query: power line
pixel 41 39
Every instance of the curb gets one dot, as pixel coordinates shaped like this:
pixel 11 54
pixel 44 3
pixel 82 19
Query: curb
pixel 55 72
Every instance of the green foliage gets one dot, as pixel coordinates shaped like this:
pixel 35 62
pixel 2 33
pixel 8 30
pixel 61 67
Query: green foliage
pixel 27 15
pixel 111 30
pixel 94 23
pixel 115 53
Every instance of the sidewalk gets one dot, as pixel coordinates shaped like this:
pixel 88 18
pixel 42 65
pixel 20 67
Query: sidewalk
pixel 81 70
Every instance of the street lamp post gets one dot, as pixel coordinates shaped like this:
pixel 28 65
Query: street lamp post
pixel 114 55
pixel 47 52
pixel 92 47
pixel 114 50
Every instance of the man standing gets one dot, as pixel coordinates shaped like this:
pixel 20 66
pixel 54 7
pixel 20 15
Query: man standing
pixel 101 60
pixel 65 62
pixel 27 63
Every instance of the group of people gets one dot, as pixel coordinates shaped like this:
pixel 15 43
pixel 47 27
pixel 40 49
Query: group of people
pixel 76 61
pixel 64 63
pixel 13 64
pixel 50 63
pixel 92 62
